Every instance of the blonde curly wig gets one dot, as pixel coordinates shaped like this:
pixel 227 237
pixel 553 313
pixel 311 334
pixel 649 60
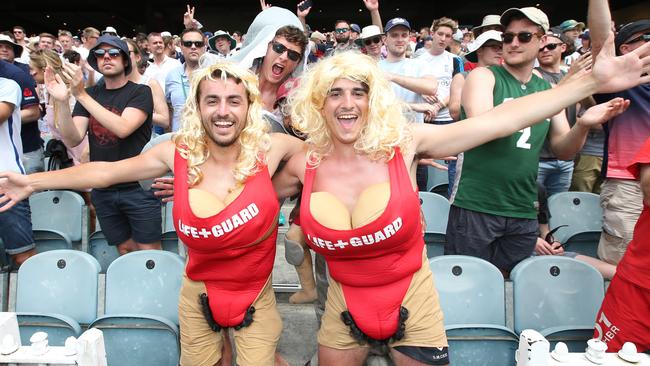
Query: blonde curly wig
pixel 386 127
pixel 192 140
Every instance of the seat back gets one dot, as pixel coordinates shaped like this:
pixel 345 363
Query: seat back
pixel 58 210
pixel 552 291
pixel 581 211
pixel 472 345
pixel 145 282
pixel 436 177
pixel 61 282
pixel 471 290
pixel 436 212
pixel 98 247
pixel 46 240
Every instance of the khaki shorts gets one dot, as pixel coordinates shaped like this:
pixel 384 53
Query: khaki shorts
pixel 622 202
pixel 200 346
pixel 586 174
pixel 424 326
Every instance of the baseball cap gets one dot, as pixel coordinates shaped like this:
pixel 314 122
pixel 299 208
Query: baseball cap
pixel 458 36
pixel 395 22
pixel 531 13
pixel 585 35
pixel 18 49
pixel 110 30
pixel 111 41
pixel 630 29
pixel 355 28
pixel 480 41
pixel 571 24
pixel 165 34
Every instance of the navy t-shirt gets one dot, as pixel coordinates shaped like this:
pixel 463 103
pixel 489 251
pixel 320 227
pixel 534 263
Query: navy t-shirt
pixel 29 133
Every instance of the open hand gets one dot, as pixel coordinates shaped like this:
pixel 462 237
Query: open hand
pixel 603 112
pixel 164 188
pixel 371 5
pixel 14 187
pixel 614 74
pixel 55 85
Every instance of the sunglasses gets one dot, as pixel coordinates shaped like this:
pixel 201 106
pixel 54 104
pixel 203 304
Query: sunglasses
pixel 549 238
pixel 372 40
pixel 523 37
pixel 197 44
pixel 643 37
pixel 279 48
pixel 341 30
pixel 112 52
pixel 109 34
pixel 550 47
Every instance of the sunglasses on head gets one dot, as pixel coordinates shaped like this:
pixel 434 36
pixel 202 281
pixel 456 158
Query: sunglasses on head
pixel 643 37
pixel 112 52
pixel 196 44
pixel 372 40
pixel 523 37
pixel 550 47
pixel 279 48
pixel 341 30
pixel 109 34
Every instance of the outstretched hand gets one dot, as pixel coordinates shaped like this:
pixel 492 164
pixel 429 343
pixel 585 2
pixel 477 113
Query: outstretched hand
pixel 603 112
pixel 614 74
pixel 14 187
pixel 264 5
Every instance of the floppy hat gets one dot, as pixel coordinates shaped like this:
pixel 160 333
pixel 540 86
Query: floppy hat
pixel 111 41
pixel 370 31
pixel 488 20
pixel 18 49
pixel 479 42
pixel 213 40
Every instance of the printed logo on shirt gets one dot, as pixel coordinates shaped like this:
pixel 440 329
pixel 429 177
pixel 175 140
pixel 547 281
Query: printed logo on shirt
pixel 28 95
pixel 357 241
pixel 238 219
pixel 104 136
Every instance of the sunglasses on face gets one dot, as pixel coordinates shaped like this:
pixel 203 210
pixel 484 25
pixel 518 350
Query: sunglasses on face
pixel 279 48
pixel 197 44
pixel 550 47
pixel 109 34
pixel 372 40
pixel 112 52
pixel 643 37
pixel 341 30
pixel 523 37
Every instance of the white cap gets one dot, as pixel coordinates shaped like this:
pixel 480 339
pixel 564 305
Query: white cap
pixel 165 34
pixel 533 14
pixel 109 30
pixel 480 41
pixel 370 31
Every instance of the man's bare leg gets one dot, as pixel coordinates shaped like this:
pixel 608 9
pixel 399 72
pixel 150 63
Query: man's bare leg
pixel 338 357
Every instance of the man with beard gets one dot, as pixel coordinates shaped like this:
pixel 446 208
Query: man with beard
pixel 342 33
pixel 116 114
pixel 177 83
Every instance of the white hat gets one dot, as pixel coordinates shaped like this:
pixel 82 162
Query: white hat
pixel 488 20
pixel 533 14
pixel 18 49
pixel 110 30
pixel 318 36
pixel 369 32
pixel 165 34
pixel 458 36
pixel 479 42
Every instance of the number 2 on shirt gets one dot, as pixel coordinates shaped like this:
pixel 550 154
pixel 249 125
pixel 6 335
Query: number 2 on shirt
pixel 522 142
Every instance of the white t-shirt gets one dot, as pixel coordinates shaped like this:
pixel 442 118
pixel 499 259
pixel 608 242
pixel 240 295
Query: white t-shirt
pixel 159 72
pixel 11 146
pixel 443 69
pixel 412 68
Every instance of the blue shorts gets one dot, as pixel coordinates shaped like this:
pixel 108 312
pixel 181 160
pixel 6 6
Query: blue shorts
pixel 16 228
pixel 129 213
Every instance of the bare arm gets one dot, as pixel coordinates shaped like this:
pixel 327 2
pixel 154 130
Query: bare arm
pixel 287 181
pixel 373 8
pixel 30 114
pixel 476 97
pixel 160 109
pixel 283 148
pixel 455 95
pixel 153 163
pixel 600 24
pixel 426 84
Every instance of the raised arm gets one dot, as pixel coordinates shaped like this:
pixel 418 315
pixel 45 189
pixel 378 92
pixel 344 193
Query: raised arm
pixel 15 187
pixel 600 24
pixel 373 8
pixel 72 129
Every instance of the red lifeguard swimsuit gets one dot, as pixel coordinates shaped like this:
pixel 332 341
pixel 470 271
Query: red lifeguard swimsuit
pixel 219 247
pixel 373 263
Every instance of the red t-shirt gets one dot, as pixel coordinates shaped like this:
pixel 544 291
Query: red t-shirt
pixel 635 265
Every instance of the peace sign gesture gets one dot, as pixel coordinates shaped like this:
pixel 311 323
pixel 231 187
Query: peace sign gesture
pixel 188 17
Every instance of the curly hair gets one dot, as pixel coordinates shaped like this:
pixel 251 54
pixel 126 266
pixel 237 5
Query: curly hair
pixel 386 127
pixel 192 140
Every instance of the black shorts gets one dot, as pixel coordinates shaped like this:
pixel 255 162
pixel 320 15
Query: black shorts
pixel 426 355
pixel 502 241
pixel 130 213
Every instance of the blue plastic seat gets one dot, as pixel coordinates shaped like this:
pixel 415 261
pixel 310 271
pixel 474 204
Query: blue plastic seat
pixel 141 317
pixel 437 180
pixel 57 290
pixel 472 298
pixel 46 240
pixel 436 214
pixel 98 247
pixel 60 211
pixel 557 296
pixel 582 214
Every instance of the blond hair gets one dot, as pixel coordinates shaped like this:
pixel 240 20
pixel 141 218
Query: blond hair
pixel 41 59
pixel 192 140
pixel 386 126
pixel 445 22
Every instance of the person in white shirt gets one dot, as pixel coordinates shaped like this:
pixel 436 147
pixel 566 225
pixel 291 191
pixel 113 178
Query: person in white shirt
pixel 162 64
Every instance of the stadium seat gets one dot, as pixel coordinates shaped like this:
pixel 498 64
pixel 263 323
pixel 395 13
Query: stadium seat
pixel 557 296
pixel 60 211
pixel 437 180
pixel 46 240
pixel 436 213
pixel 141 317
pixel 99 248
pixel 472 298
pixel 582 215
pixel 56 292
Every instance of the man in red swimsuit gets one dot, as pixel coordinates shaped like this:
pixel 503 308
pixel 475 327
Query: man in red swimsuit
pixel 225 210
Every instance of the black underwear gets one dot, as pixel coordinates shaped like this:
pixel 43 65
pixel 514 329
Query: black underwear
pixel 363 338
pixel 207 314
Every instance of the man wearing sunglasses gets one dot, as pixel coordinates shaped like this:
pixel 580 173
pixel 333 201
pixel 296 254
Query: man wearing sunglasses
pixel 493 213
pixel 621 194
pixel 177 83
pixel 342 36
pixel 371 40
pixel 117 115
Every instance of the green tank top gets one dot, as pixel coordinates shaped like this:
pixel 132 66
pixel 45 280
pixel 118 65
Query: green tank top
pixel 499 177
